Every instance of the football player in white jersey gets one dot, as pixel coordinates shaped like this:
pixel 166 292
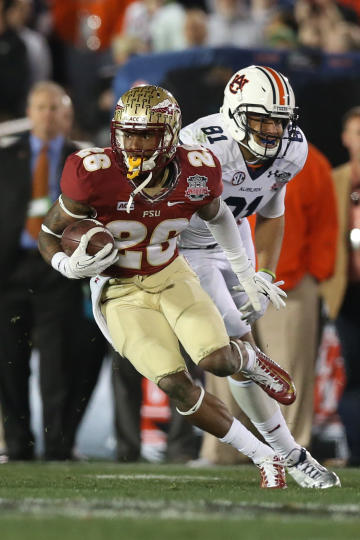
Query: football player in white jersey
pixel 260 148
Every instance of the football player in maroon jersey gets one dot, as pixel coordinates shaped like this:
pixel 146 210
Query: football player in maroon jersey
pixel 146 298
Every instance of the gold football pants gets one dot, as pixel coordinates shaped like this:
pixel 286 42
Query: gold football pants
pixel 148 315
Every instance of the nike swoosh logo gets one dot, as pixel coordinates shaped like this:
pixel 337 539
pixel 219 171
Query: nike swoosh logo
pixel 275 428
pixel 172 203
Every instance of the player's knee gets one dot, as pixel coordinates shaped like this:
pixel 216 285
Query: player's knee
pixel 221 363
pixel 180 388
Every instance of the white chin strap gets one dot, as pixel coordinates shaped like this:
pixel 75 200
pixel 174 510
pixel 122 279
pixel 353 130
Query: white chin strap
pixel 136 190
pixel 150 163
pixel 135 169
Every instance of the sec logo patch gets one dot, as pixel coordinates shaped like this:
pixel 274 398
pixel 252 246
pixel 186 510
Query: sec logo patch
pixel 238 178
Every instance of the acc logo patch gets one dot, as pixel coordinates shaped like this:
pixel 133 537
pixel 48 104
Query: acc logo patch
pixel 197 189
pixel 121 206
pixel 238 178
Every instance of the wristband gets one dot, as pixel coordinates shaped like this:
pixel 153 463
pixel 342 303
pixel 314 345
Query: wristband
pixel 266 271
pixel 60 263
pixel 57 258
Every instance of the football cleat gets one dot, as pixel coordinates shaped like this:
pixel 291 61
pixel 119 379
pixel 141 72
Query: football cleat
pixel 272 472
pixel 272 378
pixel 307 472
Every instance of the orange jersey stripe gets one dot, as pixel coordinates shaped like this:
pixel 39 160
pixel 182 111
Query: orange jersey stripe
pixel 254 165
pixel 279 83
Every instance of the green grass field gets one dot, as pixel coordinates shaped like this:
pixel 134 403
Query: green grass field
pixel 96 501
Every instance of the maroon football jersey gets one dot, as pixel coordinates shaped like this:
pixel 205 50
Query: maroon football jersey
pixel 145 237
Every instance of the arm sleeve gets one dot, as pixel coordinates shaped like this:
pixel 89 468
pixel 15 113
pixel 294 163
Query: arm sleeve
pixel 225 231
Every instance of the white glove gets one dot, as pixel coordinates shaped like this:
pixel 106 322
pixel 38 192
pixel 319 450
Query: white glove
pixel 260 290
pixel 80 264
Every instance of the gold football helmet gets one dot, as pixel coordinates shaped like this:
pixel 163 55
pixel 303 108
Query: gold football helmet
pixel 149 108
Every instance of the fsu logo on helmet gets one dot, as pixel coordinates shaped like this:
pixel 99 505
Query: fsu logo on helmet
pixel 165 107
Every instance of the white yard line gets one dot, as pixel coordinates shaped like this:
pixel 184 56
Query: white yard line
pixel 161 509
pixel 169 478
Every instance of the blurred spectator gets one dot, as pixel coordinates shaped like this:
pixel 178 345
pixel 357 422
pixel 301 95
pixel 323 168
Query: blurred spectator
pixel 322 25
pixel 18 16
pixel 14 66
pixel 281 30
pixel 35 299
pixel 101 105
pixel 156 26
pixel 232 23
pixel 195 28
pixel 342 291
pixel 88 24
pixel 351 9
pixel 204 5
pixel 307 258
pixel 128 397
pixel 159 25
pixel 203 95
pixel 129 43
pixel 82 35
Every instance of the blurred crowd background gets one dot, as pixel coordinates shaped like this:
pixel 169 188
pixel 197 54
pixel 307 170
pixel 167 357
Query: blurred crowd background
pixel 86 46
pixel 97 49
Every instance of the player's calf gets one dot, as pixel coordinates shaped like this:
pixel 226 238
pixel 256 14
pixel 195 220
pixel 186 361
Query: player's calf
pixel 202 409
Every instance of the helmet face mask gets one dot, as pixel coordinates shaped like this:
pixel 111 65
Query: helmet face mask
pixel 262 141
pixel 143 157
pixel 265 95
pixel 150 116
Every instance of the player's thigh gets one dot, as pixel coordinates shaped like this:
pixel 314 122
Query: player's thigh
pixel 194 317
pixel 218 279
pixel 208 269
pixel 145 338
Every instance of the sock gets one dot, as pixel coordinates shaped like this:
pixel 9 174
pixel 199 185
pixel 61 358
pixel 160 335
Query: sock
pixel 251 357
pixel 248 364
pixel 245 442
pixel 276 433
pixel 265 414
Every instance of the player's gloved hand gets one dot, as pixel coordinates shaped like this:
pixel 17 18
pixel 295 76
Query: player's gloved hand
pixel 260 290
pixel 81 264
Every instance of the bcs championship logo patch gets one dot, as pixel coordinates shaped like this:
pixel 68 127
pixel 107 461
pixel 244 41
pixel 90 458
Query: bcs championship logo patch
pixel 197 189
pixel 281 178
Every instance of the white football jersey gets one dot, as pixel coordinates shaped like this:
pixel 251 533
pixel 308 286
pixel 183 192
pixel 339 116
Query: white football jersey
pixel 246 192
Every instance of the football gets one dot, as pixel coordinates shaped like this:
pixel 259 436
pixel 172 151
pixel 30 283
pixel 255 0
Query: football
pixel 72 235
